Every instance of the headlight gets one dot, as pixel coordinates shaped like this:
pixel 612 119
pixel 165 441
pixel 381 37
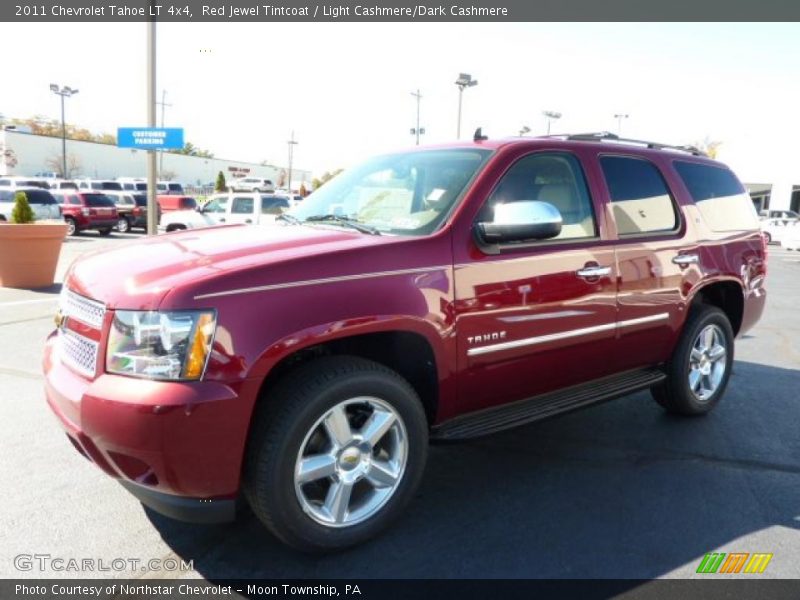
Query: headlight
pixel 160 345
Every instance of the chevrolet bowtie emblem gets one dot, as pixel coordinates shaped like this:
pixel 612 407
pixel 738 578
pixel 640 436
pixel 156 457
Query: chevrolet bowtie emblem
pixel 60 319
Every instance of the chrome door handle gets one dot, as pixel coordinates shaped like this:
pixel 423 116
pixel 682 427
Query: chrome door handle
pixel 589 272
pixel 684 260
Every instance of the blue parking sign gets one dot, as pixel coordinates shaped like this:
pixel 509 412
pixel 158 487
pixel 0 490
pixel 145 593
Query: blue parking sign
pixel 150 138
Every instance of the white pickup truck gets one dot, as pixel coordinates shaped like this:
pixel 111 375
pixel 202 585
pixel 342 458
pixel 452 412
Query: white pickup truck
pixel 236 207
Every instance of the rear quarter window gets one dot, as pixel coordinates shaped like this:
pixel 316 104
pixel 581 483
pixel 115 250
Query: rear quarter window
pixel 723 202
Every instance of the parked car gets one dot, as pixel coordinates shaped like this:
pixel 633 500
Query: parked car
pixel 439 293
pixel 101 185
pixel 15 181
pixel 775 228
pixel 169 188
pixel 169 203
pixel 133 184
pixel 240 207
pixel 779 214
pixel 790 240
pixel 131 210
pixel 44 205
pixel 252 184
pixel 63 184
pixel 84 210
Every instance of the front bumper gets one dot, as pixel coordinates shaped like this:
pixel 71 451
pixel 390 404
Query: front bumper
pixel 177 446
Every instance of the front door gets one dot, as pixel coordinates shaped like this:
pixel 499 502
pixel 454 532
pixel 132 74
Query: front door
pixel 539 315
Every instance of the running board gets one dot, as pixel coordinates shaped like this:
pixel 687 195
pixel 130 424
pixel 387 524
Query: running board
pixel 547 405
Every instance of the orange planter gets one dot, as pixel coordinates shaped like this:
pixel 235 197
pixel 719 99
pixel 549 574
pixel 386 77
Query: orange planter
pixel 29 254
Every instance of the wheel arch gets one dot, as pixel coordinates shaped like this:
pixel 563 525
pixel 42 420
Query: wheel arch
pixel 411 348
pixel 726 294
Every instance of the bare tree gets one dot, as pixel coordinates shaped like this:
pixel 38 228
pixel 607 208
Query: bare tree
pixel 74 166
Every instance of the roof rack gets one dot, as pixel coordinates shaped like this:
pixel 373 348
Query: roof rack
pixel 602 136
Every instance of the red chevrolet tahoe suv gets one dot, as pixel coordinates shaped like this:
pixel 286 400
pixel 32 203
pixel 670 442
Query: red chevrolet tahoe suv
pixel 440 293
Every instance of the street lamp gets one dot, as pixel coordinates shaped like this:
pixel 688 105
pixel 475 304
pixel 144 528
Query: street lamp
pixel 419 130
pixel 64 92
pixel 464 80
pixel 619 117
pixel 551 116
pixel 292 143
pixel 525 129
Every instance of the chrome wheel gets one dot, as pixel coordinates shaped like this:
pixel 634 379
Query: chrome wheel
pixel 707 362
pixel 71 227
pixel 351 462
pixel 122 225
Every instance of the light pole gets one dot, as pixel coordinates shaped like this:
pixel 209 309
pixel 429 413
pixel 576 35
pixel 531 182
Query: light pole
pixel 525 129
pixel 292 143
pixel 163 104
pixel 419 130
pixel 551 116
pixel 619 117
pixel 464 80
pixel 152 206
pixel 64 92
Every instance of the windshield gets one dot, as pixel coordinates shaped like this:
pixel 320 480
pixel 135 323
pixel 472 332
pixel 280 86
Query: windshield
pixel 405 194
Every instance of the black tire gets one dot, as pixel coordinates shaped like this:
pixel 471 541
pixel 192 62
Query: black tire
pixel 123 225
pixel 283 423
pixel 105 231
pixel 72 226
pixel 675 394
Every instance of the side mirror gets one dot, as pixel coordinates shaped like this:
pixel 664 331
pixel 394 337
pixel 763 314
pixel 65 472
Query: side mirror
pixel 521 221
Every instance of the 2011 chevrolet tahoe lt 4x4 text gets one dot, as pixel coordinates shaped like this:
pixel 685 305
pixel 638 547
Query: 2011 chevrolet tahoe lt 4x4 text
pixel 440 293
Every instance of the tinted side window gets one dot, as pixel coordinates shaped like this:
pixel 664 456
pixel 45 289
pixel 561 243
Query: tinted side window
pixel 722 201
pixel 555 178
pixel 242 206
pixel 640 199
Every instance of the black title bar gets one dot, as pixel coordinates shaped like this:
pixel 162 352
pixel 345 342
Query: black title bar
pixel 242 11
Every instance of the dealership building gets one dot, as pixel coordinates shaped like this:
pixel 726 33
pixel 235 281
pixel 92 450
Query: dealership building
pixel 25 153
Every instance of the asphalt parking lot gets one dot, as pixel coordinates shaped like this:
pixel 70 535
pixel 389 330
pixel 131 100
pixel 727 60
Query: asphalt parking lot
pixel 619 490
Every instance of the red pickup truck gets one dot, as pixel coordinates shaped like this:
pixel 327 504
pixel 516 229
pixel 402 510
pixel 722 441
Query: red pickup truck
pixel 87 210
pixel 438 293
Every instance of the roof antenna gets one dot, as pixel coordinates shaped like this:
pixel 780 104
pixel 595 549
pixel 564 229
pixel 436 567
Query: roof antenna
pixel 478 136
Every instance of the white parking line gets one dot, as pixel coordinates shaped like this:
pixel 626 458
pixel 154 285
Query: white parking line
pixel 18 302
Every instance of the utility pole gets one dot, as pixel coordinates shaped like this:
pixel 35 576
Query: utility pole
pixel 152 208
pixel 292 143
pixel 163 105
pixel 417 131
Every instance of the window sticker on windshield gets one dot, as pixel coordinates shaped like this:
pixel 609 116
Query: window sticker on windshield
pixel 436 194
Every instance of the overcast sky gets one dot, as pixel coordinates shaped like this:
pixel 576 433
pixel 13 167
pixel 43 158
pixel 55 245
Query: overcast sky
pixel 345 88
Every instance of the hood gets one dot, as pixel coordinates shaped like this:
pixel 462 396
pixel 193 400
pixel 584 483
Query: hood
pixel 138 275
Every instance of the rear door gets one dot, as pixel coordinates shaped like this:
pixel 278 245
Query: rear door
pixel 655 256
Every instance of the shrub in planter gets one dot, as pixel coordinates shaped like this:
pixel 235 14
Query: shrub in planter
pixel 29 250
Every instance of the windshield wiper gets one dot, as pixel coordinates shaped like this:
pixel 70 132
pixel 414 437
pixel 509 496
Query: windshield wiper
pixel 288 218
pixel 352 223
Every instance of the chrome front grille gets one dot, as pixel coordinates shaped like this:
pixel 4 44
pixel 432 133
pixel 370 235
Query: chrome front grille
pixel 79 352
pixel 87 311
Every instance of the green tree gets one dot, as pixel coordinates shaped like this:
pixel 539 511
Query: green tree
pixel 22 212
pixel 220 185
pixel 191 150
pixel 318 182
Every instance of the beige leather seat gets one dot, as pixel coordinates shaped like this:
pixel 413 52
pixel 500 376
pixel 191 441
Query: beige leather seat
pixel 578 222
